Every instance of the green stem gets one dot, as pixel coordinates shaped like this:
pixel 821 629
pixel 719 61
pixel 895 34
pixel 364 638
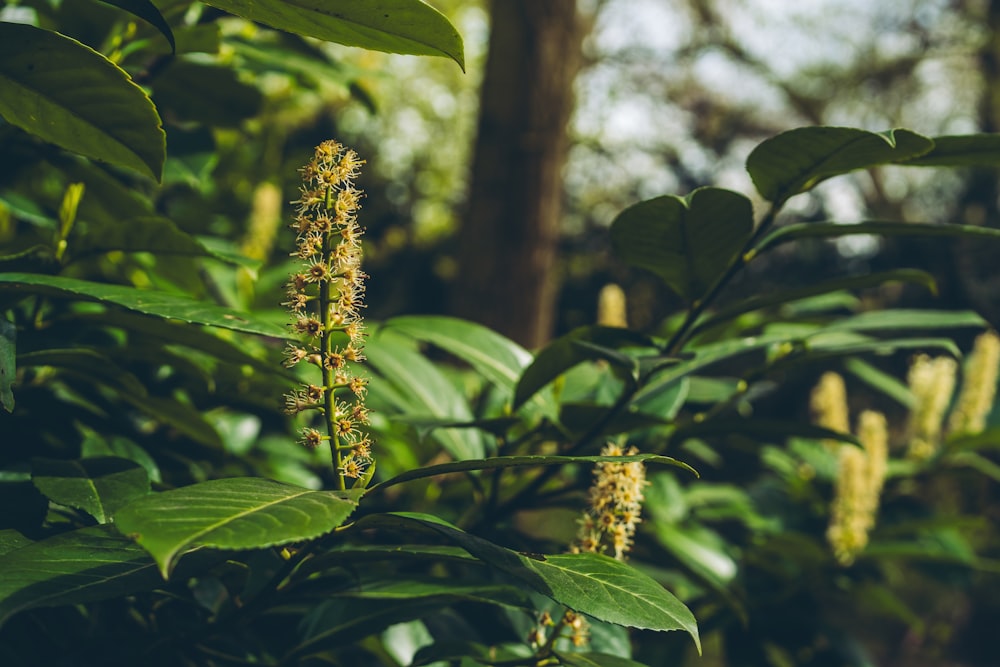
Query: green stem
pixel 326 345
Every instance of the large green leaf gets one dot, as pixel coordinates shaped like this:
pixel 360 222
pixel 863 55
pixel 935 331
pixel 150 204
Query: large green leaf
pixel 204 93
pixel 797 160
pixel 965 150
pixel 689 241
pixel 8 362
pixel 395 26
pixel 148 12
pixel 593 584
pixel 98 486
pixel 148 302
pixel 235 513
pixel 591 659
pixel 67 93
pixel 140 234
pixel 874 228
pixel 80 566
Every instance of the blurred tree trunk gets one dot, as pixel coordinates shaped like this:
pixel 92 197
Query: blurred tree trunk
pixel 508 241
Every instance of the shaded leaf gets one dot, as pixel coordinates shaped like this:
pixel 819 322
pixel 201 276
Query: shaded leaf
pixel 148 12
pixel 395 26
pixel 689 242
pixel 148 302
pixel 235 513
pixel 205 93
pixel 769 430
pixel 591 659
pixel 66 93
pixel 8 362
pixel 140 234
pixel 98 486
pixel 796 161
pixel 965 150
pixel 11 539
pixel 794 232
pixel 907 320
pixel 88 364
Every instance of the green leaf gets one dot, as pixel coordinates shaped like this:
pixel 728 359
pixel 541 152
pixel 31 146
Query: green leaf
pixel 148 12
pixel 782 297
pixel 907 320
pixel 689 241
pixel 423 390
pixel 148 302
pixel 873 228
pixel 141 234
pixel 521 461
pixel 796 161
pixel 763 430
pixel 84 565
pixel 881 381
pixel 11 539
pixel 595 585
pixel 591 659
pixel 205 93
pixel 965 150
pixel 8 362
pixel 235 513
pixel 98 486
pixel 68 94
pixel 395 26
pixel 89 364
pixel 563 353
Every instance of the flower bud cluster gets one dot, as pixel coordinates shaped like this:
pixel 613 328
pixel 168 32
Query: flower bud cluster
pixel 979 386
pixel 615 504
pixel 325 297
pixel 932 382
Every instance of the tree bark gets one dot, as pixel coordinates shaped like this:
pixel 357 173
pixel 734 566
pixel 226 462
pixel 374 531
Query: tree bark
pixel 508 241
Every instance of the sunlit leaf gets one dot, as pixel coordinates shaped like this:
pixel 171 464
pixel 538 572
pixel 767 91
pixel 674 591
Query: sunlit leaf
pixel 98 486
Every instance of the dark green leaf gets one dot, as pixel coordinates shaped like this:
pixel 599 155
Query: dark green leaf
pixel 148 12
pixel 235 513
pixel 883 382
pixel 11 539
pixel 67 93
pixel 520 461
pixel 457 652
pixel 595 585
pixel 563 353
pixel 782 297
pixel 98 486
pixel 8 362
pixel 825 347
pixel 689 241
pixel 143 234
pixel 148 302
pixel 966 150
pixel 875 228
pixel 582 417
pixel 591 659
pixel 395 26
pixel 89 364
pixel 204 93
pixel 797 160
pixel 907 320
pixel 80 566
pixel 763 430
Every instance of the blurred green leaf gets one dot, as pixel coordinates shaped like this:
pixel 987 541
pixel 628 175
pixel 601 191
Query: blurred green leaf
pixel 68 94
pixel 205 93
pixel 689 242
pixel 761 430
pixel 98 486
pixel 591 659
pixel 234 513
pixel 964 150
pixel 395 26
pixel 140 234
pixel 900 319
pixel 797 160
pixel 148 12
pixel 824 230
pixel 8 362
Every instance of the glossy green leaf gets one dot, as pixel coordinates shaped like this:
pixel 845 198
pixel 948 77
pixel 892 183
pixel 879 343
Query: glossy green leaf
pixel 781 297
pixel 80 566
pixel 522 461
pixel 689 242
pixel 148 302
pixel 595 585
pixel 98 486
pixel 591 659
pixel 826 230
pixel 148 12
pixel 796 161
pixel 901 319
pixel 424 391
pixel 965 150
pixel 234 513
pixel 8 362
pixel 68 94
pixel 395 26
pixel 563 353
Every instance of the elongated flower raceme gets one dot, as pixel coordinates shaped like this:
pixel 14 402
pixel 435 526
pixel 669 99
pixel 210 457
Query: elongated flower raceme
pixel 932 382
pixel 828 404
pixel 615 504
pixel 979 386
pixel 325 297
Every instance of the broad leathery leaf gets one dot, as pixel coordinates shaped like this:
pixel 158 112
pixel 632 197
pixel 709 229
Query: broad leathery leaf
pixel 98 486
pixel 84 565
pixel 964 150
pixel 148 12
pixel 782 297
pixel 394 26
pixel 873 228
pixel 908 320
pixel 11 539
pixel 563 353
pixel 522 461
pixel 796 161
pixel 689 242
pixel 591 659
pixel 148 302
pixel 596 585
pixel 423 391
pixel 235 513
pixel 8 362
pixel 68 94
